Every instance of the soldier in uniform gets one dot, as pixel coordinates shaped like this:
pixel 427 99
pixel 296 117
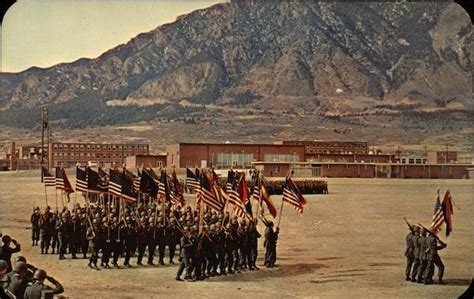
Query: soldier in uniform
pixel 54 232
pixel 38 288
pixel 130 240
pixel 35 226
pixel 141 240
pixel 64 228
pixel 221 248
pixel 253 245
pixel 409 253
pixel 45 230
pixel 229 248
pixel 434 244
pixel 416 252
pixel 151 237
pixel 94 236
pixel 185 255
pixel 84 243
pixel 106 243
pixel 423 256
pixel 160 238
pixel 6 251
pixel 116 241
pixel 271 238
pixel 172 237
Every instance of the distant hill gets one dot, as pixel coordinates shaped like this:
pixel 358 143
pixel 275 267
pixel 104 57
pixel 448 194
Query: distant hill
pixel 327 58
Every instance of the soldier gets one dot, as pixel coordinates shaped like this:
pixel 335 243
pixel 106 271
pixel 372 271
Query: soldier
pixel 6 251
pixel 185 255
pixel 416 252
pixel 83 235
pixel 229 248
pixel 434 244
pixel 45 230
pixel 271 238
pixel 221 247
pixel 253 240
pixel 160 239
pixel 212 252
pixel 409 253
pixel 173 236
pixel 64 229
pixel 244 243
pixel 35 226
pixel 130 240
pixel 151 236
pixel 94 236
pixel 38 288
pixel 106 246
pixel 141 240
pixel 19 280
pixel 55 219
pixel 75 236
pixel 4 279
pixel 422 256
pixel 116 241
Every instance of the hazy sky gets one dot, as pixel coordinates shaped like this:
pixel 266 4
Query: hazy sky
pixel 46 32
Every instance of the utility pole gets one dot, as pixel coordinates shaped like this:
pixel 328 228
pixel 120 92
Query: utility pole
pixel 44 127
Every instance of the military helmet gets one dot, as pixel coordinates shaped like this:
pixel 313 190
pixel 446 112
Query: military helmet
pixel 186 229
pixel 151 219
pixel 194 227
pixel 20 267
pixel 95 221
pixel 40 274
pixel 20 259
pixel 3 265
pixel 213 226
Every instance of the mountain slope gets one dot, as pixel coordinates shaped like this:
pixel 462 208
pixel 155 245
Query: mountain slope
pixel 270 55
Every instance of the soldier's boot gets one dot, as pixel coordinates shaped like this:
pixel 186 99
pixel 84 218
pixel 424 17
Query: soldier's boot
pixel 42 250
pixel 223 272
pixel 179 278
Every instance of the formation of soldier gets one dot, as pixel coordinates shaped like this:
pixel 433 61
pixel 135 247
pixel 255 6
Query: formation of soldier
pixel 20 279
pixel 225 244
pixel 422 255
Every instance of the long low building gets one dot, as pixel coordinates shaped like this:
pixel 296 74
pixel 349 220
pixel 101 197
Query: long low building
pixel 225 155
pixel 365 170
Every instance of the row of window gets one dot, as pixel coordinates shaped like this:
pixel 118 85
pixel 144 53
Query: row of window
pixel 89 155
pixel 281 158
pixel 100 147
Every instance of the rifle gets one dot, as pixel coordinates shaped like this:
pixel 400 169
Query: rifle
pixel 410 227
pixel 432 233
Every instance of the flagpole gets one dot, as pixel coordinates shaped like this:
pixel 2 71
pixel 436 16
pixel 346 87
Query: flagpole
pixel 56 199
pixel 46 195
pixel 281 211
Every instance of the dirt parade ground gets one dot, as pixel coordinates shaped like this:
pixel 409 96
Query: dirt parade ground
pixel 349 243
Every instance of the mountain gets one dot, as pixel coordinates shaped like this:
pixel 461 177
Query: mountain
pixel 326 58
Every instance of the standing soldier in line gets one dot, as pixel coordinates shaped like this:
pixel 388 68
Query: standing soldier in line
pixel 94 236
pixel 229 248
pixel 130 240
pixel 54 232
pixel 271 238
pixel 63 227
pixel 416 252
pixel 221 247
pixel 106 246
pixel 434 244
pixel 83 235
pixel 141 240
pixel 116 241
pixel 198 253
pixel 172 237
pixel 212 252
pixel 45 230
pixel 254 235
pixel 35 226
pixel 151 236
pixel 409 252
pixel 161 240
pixel 423 256
pixel 76 235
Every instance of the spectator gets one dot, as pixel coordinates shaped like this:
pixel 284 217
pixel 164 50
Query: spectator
pixel 7 251
pixel 35 290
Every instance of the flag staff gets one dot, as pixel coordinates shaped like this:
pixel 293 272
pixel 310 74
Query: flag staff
pixel 258 184
pixel 288 175
pixel 46 195
pixel 56 198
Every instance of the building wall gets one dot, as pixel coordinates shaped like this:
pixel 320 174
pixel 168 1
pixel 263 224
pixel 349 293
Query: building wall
pixel 69 154
pixel 382 158
pixel 192 154
pixel 442 157
pixel 154 161
pixel 327 147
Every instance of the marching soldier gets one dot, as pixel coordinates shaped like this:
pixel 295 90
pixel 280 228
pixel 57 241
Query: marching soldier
pixel 151 235
pixel 416 252
pixel 434 244
pixel 409 253
pixel 116 241
pixel 141 240
pixel 221 247
pixel 229 248
pixel 173 236
pixel 35 226
pixel 105 244
pixel 63 228
pixel 253 240
pixel 54 232
pixel 185 255
pixel 94 236
pixel 46 230
pixel 423 256
pixel 160 240
pixel 130 240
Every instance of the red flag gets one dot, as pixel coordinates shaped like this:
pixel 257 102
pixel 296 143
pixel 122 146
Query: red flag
pixel 448 211
pixel 266 198
pixel 67 185
pixel 243 190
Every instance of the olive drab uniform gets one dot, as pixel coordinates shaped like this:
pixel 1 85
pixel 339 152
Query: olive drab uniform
pixel 35 227
pixel 271 238
pixel 409 253
pixel 433 259
pixel 416 256
pixel 94 235
pixel 186 257
pixel 423 257
pixel 45 231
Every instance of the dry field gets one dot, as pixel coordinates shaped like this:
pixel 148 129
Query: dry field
pixel 347 244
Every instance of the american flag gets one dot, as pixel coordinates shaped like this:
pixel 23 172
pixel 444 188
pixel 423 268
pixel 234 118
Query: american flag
pixel 192 181
pixel 209 193
pixel 81 180
pixel 293 196
pixel 59 179
pixel 48 179
pixel 230 181
pixel 442 213
pixel 103 183
pixel 128 190
pixel 162 187
pixel 136 180
pixel 93 181
pixel 176 191
pixel 237 198
pixel 115 182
